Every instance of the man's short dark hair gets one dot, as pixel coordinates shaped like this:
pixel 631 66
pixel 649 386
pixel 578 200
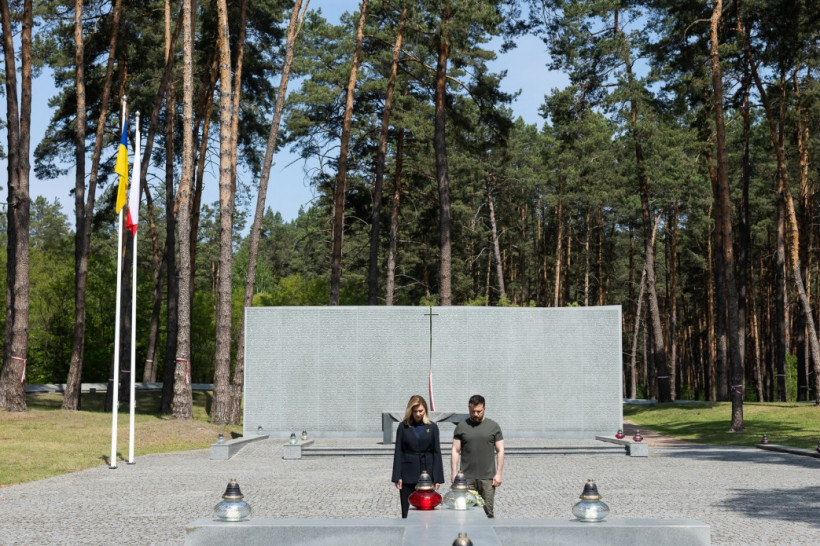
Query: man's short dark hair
pixel 476 400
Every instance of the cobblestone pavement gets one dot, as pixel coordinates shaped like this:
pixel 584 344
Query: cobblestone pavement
pixel 746 495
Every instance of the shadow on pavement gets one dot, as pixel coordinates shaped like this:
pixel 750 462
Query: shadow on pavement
pixel 799 505
pixel 742 455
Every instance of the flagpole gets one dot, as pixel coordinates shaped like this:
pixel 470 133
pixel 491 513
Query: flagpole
pixel 112 463
pixel 136 180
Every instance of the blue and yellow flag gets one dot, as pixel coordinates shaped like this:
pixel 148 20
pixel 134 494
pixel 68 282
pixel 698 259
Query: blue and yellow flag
pixel 121 168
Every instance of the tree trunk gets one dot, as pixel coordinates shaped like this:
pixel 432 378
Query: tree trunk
pixel 294 27
pixel 633 369
pixel 442 173
pixel 600 240
pixel 375 224
pixel 559 252
pixel 724 229
pixel 805 218
pixel 71 399
pixel 710 372
pixel 499 269
pixel 182 406
pixel 745 232
pixel 339 197
pixel 390 285
pixel 12 378
pixel 158 258
pixel 220 408
pixel 673 303
pixel 171 267
pixel 586 258
pixel 85 213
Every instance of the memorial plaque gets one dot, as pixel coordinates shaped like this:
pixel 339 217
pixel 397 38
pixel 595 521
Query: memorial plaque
pixel 545 372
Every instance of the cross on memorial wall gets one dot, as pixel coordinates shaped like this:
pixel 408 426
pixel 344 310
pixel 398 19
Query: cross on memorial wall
pixel 430 375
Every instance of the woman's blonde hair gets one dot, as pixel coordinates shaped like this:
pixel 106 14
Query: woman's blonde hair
pixel 414 401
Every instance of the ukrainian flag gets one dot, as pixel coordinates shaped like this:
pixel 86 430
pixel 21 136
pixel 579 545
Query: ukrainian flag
pixel 121 168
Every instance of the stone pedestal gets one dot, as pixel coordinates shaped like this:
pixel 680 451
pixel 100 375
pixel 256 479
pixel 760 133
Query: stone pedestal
pixel 294 451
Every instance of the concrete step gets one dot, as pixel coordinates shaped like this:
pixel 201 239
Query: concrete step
pixel 534 450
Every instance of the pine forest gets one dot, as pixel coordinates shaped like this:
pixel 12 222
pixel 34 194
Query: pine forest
pixel 675 175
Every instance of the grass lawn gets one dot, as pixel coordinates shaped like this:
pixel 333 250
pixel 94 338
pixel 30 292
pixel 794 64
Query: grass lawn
pixel 46 441
pixel 786 423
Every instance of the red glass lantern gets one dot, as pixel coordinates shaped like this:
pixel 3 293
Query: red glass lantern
pixel 637 437
pixel 425 497
pixel 619 434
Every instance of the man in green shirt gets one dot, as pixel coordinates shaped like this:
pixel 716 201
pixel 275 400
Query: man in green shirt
pixel 479 444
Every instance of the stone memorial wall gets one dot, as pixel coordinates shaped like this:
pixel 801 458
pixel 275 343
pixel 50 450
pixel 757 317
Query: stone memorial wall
pixel 545 372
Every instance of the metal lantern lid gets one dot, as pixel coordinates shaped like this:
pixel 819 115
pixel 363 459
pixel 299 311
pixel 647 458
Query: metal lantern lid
pixel 232 492
pixel 462 540
pixel 590 491
pixel 460 483
pixel 425 482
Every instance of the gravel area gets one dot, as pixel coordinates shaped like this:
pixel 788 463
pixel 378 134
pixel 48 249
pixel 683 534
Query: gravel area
pixel 746 495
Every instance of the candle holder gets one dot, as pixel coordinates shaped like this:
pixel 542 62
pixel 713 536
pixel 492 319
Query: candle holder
pixel 638 437
pixel 459 497
pixel 220 438
pixel 462 540
pixel 232 507
pixel 293 439
pixel 425 497
pixel 304 435
pixel 620 434
pixel 764 440
pixel 590 508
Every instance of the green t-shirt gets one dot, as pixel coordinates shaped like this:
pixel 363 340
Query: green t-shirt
pixel 478 447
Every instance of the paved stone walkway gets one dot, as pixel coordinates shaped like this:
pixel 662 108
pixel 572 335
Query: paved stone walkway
pixel 746 495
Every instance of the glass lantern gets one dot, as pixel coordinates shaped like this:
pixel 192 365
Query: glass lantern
pixel 459 497
pixel 425 497
pixel 590 508
pixel 232 507
pixel 293 439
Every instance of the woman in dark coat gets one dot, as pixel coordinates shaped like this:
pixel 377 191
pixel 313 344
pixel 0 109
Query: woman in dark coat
pixel 417 449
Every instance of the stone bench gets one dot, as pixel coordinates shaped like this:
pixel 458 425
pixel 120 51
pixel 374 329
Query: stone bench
pixel 633 448
pixel 390 417
pixel 223 452
pixel 294 451
pixel 443 526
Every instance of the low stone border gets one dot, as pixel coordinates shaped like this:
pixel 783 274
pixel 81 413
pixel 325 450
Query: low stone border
pixel 792 450
pixel 223 452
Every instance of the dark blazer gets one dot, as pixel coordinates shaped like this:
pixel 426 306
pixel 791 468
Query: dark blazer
pixel 412 455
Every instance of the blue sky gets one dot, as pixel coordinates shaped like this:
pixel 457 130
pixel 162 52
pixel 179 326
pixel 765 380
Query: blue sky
pixel 289 187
